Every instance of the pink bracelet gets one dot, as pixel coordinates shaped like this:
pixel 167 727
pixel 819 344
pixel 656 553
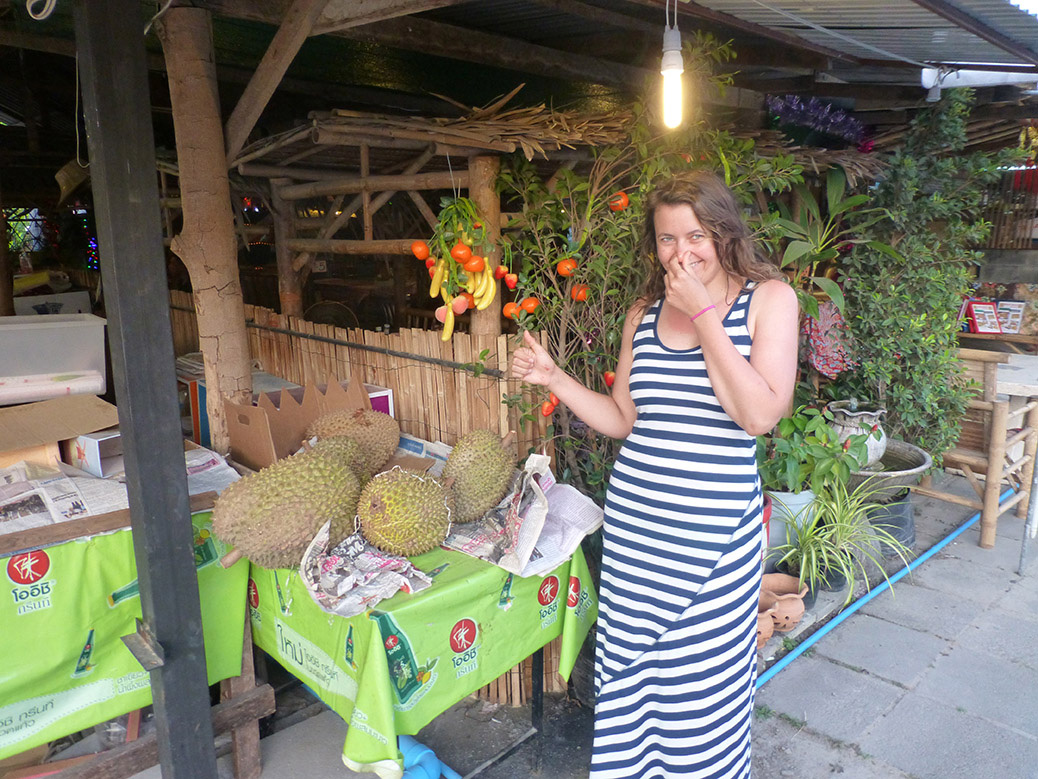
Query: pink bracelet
pixel 693 318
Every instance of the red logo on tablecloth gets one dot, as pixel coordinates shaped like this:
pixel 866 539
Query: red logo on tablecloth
pixel 574 592
pixel 463 635
pixel 549 590
pixel 28 567
pixel 253 594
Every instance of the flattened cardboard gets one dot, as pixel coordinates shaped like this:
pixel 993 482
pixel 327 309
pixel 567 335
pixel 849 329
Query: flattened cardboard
pixel 50 421
pixel 262 434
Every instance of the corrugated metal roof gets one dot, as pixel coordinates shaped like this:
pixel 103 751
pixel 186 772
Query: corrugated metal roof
pixel 900 27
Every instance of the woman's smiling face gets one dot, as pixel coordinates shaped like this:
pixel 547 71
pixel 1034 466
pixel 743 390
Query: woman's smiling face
pixel 679 234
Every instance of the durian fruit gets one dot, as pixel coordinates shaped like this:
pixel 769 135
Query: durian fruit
pixel 405 512
pixel 482 469
pixel 344 523
pixel 272 515
pixel 378 434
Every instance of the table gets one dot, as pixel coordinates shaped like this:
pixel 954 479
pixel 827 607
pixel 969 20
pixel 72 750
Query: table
pixel 392 670
pixel 65 667
pixel 1015 342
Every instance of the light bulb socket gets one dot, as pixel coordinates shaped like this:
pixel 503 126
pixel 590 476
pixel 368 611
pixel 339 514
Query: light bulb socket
pixel 672 61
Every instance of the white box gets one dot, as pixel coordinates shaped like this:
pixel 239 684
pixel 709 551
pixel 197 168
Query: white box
pixel 35 345
pixel 77 302
pixel 99 453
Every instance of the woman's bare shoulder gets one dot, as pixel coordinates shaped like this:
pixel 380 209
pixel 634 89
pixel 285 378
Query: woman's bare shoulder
pixel 774 293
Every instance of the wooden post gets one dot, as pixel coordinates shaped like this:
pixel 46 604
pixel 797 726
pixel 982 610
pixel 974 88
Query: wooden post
pixel 6 269
pixel 482 176
pixel 206 243
pixel 117 115
pixel 290 284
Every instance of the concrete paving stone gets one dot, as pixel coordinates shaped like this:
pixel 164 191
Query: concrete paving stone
pixel 312 748
pixel 986 686
pixel 882 648
pixel 960 578
pixel 1004 557
pixel 830 699
pixel 930 740
pixel 924 609
pixel 1007 636
pixel 783 750
pixel 1022 596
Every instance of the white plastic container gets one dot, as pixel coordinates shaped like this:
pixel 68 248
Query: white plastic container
pixel 34 345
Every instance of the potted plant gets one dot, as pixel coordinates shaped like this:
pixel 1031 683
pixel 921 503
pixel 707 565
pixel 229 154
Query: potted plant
pixel 833 547
pixel 801 455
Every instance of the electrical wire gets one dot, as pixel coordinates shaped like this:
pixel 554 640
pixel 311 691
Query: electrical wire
pixel 48 8
pixel 155 18
pixel 75 115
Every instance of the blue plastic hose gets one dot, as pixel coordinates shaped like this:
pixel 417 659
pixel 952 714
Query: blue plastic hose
pixel 765 677
pixel 420 762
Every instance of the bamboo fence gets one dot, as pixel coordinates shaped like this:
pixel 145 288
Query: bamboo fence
pixel 433 400
pixel 1013 210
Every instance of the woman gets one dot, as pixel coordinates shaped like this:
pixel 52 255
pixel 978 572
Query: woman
pixel 708 361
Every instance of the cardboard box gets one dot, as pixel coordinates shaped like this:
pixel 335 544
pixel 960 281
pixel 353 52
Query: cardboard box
pixel 33 431
pixel 99 453
pixel 274 427
pixel 196 393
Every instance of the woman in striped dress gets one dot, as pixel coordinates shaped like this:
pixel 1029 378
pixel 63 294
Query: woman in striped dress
pixel 708 361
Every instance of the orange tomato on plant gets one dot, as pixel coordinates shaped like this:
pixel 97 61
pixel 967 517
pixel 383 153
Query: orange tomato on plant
pixel 566 267
pixel 618 201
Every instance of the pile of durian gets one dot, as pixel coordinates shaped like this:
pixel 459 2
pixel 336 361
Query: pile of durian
pixel 271 516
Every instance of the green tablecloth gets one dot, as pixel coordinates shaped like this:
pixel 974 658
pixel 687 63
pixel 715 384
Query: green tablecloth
pixel 391 670
pixel 65 667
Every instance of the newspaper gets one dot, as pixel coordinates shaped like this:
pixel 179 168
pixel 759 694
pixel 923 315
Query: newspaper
pixel 354 576
pixel 33 495
pixel 535 528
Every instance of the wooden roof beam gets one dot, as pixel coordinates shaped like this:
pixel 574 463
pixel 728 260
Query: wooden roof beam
pixel 973 25
pixel 293 31
pixel 343 14
pixel 442 40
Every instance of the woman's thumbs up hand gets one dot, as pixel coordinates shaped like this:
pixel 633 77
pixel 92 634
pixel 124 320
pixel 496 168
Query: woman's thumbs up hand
pixel 531 363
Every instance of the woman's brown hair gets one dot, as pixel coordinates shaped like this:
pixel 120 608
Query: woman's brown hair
pixel 718 212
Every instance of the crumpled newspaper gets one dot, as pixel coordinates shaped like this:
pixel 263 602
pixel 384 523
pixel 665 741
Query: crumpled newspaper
pixel 354 576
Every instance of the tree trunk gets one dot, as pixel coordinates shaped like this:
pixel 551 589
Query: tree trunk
pixel 482 177
pixel 206 244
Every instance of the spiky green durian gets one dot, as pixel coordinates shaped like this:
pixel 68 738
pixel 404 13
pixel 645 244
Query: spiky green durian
pixel 378 434
pixel 482 471
pixel 272 515
pixel 404 512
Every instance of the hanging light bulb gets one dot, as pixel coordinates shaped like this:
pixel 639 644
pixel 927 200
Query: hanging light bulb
pixel 672 66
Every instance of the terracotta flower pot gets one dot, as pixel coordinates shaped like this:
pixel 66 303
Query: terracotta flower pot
pixel 765 627
pixel 782 596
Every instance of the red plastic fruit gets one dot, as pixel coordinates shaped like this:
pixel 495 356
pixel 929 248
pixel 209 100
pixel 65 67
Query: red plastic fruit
pixel 547 408
pixel 420 249
pixel 609 377
pixel 511 280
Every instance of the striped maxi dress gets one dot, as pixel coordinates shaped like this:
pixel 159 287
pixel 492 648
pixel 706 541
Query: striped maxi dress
pixel 675 668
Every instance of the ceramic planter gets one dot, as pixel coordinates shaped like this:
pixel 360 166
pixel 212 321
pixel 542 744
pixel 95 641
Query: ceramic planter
pixel 849 419
pixel 786 507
